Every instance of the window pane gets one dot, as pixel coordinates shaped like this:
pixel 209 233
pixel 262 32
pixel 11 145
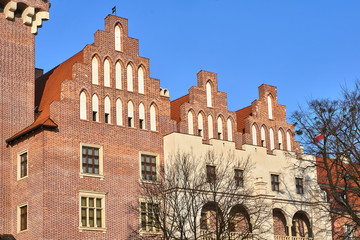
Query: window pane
pixel 90 170
pixel 96 170
pixel 84 159
pixel 83 201
pixel 153 160
pixel 96 161
pixel 98 203
pixel 96 152
pixel 91 202
pixel 84 150
pixel 89 151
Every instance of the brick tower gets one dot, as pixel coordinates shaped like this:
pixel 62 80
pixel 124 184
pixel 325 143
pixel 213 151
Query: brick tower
pixel 19 23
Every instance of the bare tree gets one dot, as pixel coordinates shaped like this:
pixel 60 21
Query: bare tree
pixel 202 197
pixel 330 129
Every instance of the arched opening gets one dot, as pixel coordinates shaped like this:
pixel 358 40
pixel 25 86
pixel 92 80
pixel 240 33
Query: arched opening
pixel 95 70
pixel 220 128
pixel 95 108
pixel 269 101
pixel 210 127
pixel 200 125
pixel 288 141
pixel 118 75
pixel 239 224
pixel 254 134
pixel 130 114
pixel 280 226
pixel 106 73
pixel 119 118
pixel 129 78
pixel 141 80
pixel 280 138
pixel 141 116
pixel 301 226
pixel 208 94
pixel 229 130
pixel 117 38
pixel 83 106
pixel 152 118
pixel 190 123
pixel 107 107
pixel 263 136
pixel 272 140
pixel 211 217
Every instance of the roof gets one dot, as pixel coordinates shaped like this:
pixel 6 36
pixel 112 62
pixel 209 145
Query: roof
pixel 175 107
pixel 48 90
pixel 240 117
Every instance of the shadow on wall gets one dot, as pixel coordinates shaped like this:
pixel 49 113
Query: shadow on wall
pixel 7 237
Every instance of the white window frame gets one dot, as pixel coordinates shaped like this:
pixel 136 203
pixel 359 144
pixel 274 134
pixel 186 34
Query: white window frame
pixel 93 194
pixel 19 217
pixel 19 164
pixel 101 164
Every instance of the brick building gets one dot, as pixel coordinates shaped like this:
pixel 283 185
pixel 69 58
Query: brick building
pixel 76 141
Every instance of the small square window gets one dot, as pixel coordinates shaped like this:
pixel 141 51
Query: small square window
pixel 210 174
pixel 239 178
pixel 275 183
pixel 148 167
pixel 299 186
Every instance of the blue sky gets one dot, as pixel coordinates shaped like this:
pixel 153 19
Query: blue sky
pixel 307 48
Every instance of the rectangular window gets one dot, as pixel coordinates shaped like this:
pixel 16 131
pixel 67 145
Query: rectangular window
pixel 141 123
pixel 349 232
pixel 23 217
pixel 200 132
pixel 299 185
pixel 107 117
pixel 148 167
pixel 92 210
pixel 23 165
pixel 94 116
pixel 239 178
pixel 219 135
pixel 90 160
pixel 149 215
pixel 275 183
pixel 130 121
pixel 210 174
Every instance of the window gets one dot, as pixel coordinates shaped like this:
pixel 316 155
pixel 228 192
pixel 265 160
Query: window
pixel 117 38
pixel 23 163
pixel 210 127
pixel 152 118
pixel 349 232
pixel 95 70
pixel 83 106
pixel 149 215
pixel 92 210
pixel 220 128
pixel 269 107
pixel 280 136
pixel 190 123
pixel 272 146
pixel 118 75
pixel 203 221
pixel 23 218
pixel 254 135
pixel 107 73
pixel 210 174
pixel 91 160
pixel 208 94
pixel 148 167
pixel 129 78
pixel 95 108
pixel 119 118
pixel 200 125
pixel 288 141
pixel 263 136
pixel 299 185
pixel 141 116
pixel 130 114
pixel 107 110
pixel 239 178
pixel 275 184
pixel 141 80
pixel 229 130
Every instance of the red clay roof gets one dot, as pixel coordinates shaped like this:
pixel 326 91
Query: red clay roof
pixel 240 117
pixel 175 107
pixel 48 89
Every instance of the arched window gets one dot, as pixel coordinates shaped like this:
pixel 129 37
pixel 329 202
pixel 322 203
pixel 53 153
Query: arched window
pixel 229 130
pixel 200 125
pixel 280 137
pixel 220 128
pixel 254 135
pixel 117 38
pixel 107 73
pixel 208 94
pixel 190 123
pixel 288 141
pixel 152 118
pixel 130 114
pixel 95 70
pixel 272 145
pixel 118 74
pixel 263 136
pixel 107 117
pixel 83 106
pixel 129 78
pixel 269 100
pixel 119 118
pixel 210 127
pixel 141 116
pixel 95 108
pixel 141 80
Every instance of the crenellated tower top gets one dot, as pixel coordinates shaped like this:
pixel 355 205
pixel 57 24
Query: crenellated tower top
pixel 32 12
